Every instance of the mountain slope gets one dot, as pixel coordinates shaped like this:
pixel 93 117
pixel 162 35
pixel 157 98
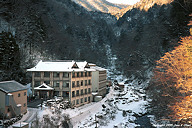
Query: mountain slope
pixel 142 5
pixel 100 5
pixel 57 29
pixel 147 35
pixel 61 29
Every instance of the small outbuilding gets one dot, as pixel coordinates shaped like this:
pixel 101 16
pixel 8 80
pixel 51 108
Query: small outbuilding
pixel 13 97
pixel 21 125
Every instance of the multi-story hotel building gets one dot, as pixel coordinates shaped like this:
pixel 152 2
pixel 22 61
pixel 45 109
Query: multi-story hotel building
pixel 69 79
pixel 99 80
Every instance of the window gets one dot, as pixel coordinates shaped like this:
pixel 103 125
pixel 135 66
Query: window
pixel 56 83
pixel 66 84
pixel 81 91
pixel 77 83
pixel 85 74
pixel 77 93
pixel 37 83
pixel 73 74
pixel 56 93
pixel 73 93
pixel 85 82
pixel 66 75
pixel 85 99
pixel 85 91
pixel 56 74
pixel 89 73
pixel 81 74
pixel 19 94
pixel 37 74
pixel 81 100
pixel 89 90
pixel 89 98
pixel 47 82
pixel 89 82
pixel 73 84
pixel 46 74
pixel 24 104
pixel 66 94
pixel 77 74
pixel 82 83
pixel 73 102
pixel 77 101
pixel 24 93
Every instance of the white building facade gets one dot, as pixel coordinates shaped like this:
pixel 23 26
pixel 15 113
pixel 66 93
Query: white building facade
pixel 99 80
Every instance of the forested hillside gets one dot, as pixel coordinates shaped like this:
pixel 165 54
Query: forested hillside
pixel 61 29
pixel 151 38
pixel 10 59
pixel 170 86
pixel 56 29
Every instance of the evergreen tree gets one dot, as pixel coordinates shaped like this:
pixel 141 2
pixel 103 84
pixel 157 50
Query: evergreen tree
pixel 10 58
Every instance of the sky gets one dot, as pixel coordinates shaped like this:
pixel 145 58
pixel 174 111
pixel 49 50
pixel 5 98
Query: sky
pixel 130 2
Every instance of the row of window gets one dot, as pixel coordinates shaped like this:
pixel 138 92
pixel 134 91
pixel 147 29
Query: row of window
pixel 64 74
pixel 82 83
pixel 19 94
pixel 81 74
pixel 102 78
pixel 55 74
pixel 65 84
pixel 82 100
pixel 64 93
pixel 82 93
pixel 102 72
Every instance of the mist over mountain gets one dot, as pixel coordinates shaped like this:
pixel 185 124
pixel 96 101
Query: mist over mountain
pixel 62 29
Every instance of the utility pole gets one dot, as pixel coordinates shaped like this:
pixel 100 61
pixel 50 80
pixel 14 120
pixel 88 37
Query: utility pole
pixel 3 119
pixel 96 121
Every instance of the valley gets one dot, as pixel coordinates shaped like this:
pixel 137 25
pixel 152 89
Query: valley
pixel 131 41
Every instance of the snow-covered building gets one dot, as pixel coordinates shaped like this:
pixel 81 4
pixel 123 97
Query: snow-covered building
pixel 70 79
pixel 99 80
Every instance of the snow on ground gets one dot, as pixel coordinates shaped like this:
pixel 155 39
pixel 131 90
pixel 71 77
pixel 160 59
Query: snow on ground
pixel 132 103
pixel 119 108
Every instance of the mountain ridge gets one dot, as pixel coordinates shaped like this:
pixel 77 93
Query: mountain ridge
pixel 62 29
pixel 100 5
pixel 142 5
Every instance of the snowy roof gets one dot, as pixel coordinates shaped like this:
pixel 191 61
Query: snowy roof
pixel 61 66
pixel 43 87
pixel 19 125
pixel 82 64
pixel 11 86
pixel 91 64
pixel 94 93
pixel 19 105
pixel 98 68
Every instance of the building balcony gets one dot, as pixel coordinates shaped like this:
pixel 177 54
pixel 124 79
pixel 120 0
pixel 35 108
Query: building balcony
pixel 57 88
pixel 102 81
pixel 37 78
pixel 65 78
pixel 65 89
